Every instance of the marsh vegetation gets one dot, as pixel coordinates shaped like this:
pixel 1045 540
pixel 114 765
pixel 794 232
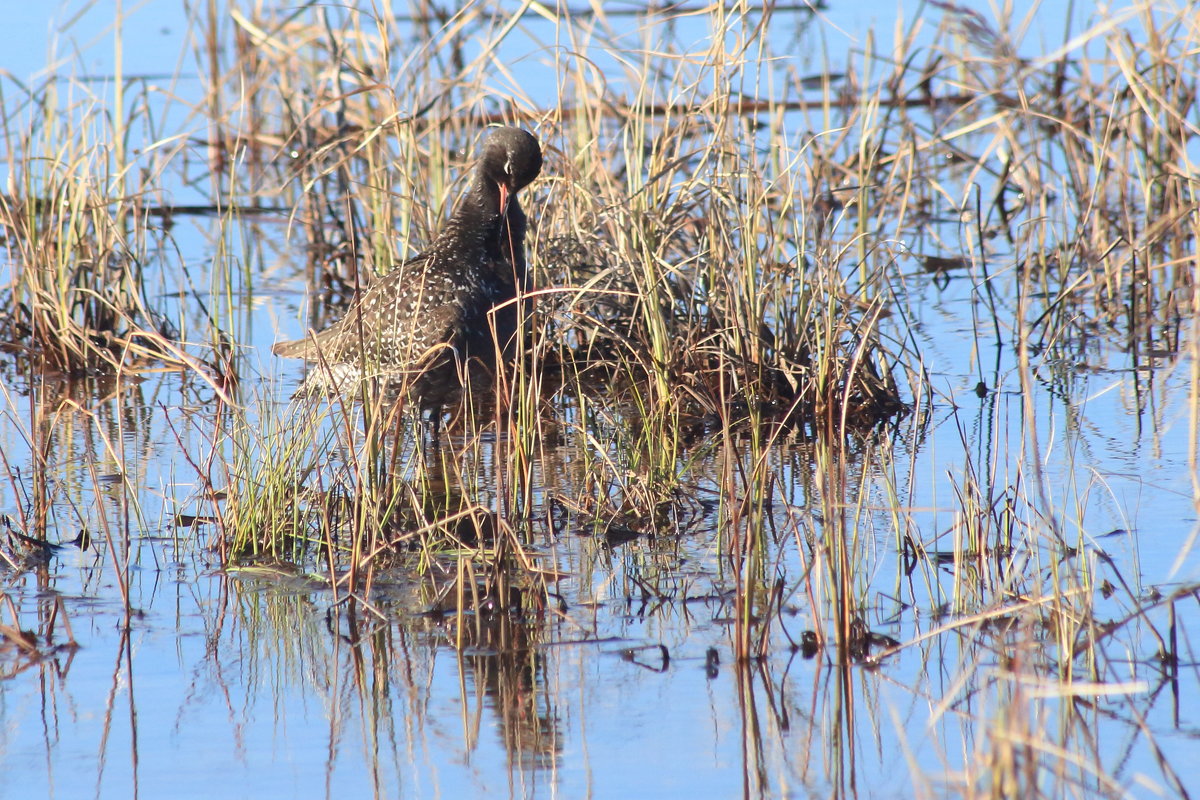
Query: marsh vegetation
pixel 853 433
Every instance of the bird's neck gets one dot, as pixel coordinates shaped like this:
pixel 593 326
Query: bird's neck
pixel 474 225
pixel 481 204
pixel 512 240
pixel 478 219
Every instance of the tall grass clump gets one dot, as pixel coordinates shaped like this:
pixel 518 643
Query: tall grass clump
pixel 75 215
pixel 686 279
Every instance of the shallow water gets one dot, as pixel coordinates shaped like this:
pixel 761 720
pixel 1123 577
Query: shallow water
pixel 247 684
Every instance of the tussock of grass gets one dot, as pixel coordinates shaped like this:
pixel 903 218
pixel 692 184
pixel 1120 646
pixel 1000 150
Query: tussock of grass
pixel 75 233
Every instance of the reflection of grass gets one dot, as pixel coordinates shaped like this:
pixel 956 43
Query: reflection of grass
pixel 725 328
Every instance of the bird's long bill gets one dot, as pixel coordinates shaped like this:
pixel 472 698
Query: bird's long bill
pixel 504 195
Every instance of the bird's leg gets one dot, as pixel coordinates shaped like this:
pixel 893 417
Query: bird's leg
pixel 435 428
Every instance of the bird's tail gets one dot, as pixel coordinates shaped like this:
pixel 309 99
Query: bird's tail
pixel 300 348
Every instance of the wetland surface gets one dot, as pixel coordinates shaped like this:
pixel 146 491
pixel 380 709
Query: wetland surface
pixel 852 450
